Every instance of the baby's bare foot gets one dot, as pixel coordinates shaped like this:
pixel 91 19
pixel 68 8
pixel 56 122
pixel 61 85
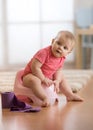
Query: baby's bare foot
pixel 45 103
pixel 74 97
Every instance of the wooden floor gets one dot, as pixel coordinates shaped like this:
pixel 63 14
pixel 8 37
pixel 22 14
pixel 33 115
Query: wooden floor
pixel 62 116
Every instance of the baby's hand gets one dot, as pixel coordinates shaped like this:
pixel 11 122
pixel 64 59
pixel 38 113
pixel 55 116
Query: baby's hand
pixel 56 86
pixel 48 82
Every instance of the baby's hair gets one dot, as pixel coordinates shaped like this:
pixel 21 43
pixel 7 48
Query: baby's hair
pixel 67 34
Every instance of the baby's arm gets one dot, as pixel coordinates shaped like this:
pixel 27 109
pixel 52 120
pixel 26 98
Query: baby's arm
pixel 36 70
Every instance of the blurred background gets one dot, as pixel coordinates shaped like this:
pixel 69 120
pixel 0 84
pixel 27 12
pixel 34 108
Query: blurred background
pixel 28 25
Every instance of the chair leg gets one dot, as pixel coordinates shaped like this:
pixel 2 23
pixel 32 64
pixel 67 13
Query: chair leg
pixel 91 62
pixel 84 51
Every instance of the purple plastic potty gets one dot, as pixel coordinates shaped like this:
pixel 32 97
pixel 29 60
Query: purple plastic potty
pixel 19 89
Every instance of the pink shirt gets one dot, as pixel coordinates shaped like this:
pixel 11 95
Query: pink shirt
pixel 50 64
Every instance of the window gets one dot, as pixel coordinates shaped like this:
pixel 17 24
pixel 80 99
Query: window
pixel 28 25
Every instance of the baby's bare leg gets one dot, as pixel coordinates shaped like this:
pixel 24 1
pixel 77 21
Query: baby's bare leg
pixel 66 90
pixel 34 83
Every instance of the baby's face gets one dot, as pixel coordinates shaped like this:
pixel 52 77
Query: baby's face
pixel 61 47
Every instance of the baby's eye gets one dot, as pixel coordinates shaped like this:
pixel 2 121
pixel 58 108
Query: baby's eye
pixel 65 48
pixel 58 43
